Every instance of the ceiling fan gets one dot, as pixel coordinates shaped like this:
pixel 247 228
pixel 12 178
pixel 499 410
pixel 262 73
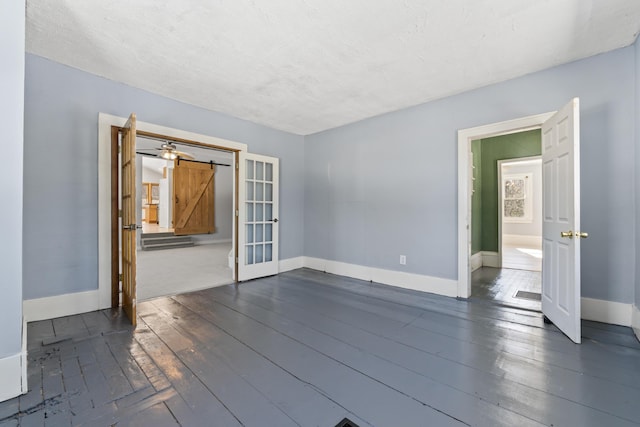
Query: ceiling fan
pixel 168 151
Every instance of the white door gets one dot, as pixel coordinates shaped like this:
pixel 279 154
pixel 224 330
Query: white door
pixel 561 220
pixel 258 216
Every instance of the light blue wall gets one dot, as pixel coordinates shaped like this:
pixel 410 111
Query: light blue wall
pixel 637 182
pixel 61 178
pixel 387 186
pixel 12 23
pixel 371 190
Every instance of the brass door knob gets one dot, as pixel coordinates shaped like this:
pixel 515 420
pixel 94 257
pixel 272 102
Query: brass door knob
pixel 582 234
pixel 568 234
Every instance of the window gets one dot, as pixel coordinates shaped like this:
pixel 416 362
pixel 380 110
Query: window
pixel 516 198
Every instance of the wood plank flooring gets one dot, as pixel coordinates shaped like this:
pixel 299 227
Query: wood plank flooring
pixel 306 348
pixel 500 285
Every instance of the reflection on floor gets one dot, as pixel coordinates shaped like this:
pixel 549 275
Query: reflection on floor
pixel 307 348
pixel 502 284
pixel 176 271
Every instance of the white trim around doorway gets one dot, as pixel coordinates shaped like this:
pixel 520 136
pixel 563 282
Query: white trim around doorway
pixel 105 121
pixel 465 136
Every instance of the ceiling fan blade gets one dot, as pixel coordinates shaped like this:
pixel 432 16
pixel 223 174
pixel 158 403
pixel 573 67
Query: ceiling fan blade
pixel 147 154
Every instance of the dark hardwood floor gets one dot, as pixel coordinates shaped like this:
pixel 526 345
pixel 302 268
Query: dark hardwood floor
pixel 306 348
pixel 501 286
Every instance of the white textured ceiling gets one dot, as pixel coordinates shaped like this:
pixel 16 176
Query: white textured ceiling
pixel 306 66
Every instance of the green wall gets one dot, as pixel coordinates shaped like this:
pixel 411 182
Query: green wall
pixel 484 203
pixel 476 198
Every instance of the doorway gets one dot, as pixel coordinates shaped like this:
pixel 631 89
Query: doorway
pixel 108 184
pixel 172 271
pixel 465 188
pixel 256 190
pixel 561 230
pixel 506 219
pixel 194 256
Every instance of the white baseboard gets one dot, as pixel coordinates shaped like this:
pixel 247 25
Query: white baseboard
pixel 598 310
pixel 490 259
pixel 418 282
pixel 635 321
pixel 475 262
pixel 290 264
pixel 82 302
pixel 484 259
pixel 23 359
pixel 314 263
pixel 11 374
pixel 60 305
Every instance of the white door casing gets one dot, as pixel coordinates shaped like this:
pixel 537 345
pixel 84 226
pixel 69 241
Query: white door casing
pixel 465 137
pixel 258 226
pixel 561 214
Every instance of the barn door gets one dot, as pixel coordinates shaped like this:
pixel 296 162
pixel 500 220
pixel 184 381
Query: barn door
pixel 129 223
pixel 561 233
pixel 193 207
pixel 258 216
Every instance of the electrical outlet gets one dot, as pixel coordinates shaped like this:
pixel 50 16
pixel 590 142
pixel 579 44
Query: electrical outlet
pixel 403 260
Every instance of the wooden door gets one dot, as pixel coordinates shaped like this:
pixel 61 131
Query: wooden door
pixel 258 195
pixel 561 233
pixel 129 223
pixel 193 192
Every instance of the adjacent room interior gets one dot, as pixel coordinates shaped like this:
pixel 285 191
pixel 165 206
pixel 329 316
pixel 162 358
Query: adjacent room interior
pixel 199 256
pixel 506 231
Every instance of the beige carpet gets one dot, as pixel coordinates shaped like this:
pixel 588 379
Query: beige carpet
pixel 175 271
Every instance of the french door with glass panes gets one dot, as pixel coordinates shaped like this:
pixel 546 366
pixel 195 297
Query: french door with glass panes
pixel 258 216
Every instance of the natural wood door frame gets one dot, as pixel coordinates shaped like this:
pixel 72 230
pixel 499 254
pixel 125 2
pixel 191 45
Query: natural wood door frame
pixel 113 163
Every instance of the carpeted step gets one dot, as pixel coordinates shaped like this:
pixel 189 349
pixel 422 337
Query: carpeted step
pixel 153 235
pixel 158 246
pixel 155 241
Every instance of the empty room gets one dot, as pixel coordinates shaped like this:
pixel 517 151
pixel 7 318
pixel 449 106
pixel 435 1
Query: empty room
pixel 320 213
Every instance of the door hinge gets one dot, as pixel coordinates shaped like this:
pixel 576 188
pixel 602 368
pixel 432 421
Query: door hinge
pixel 237 260
pixel 120 277
pixel 119 213
pixel 119 149
pixel 237 212
pixel 237 167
